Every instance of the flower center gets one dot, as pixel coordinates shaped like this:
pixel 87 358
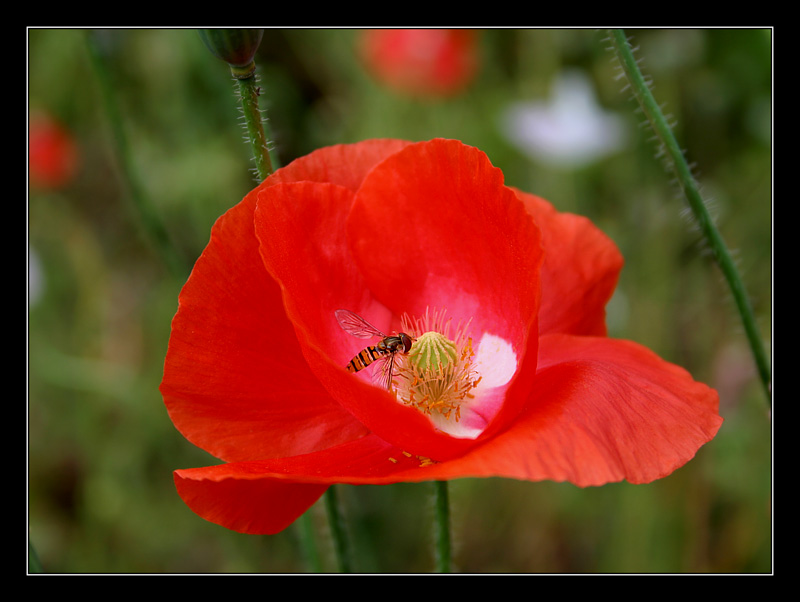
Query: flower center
pixel 438 374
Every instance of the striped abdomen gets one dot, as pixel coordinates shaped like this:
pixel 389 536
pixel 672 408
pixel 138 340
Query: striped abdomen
pixel 366 356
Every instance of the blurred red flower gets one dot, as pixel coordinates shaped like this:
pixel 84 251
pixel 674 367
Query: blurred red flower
pixel 52 153
pixel 422 62
pixel 255 370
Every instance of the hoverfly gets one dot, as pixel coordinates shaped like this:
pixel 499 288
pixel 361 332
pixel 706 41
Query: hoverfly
pixel 385 350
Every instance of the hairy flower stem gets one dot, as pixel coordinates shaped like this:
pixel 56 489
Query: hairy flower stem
pixel 249 92
pixel 338 534
pixel 684 175
pixel 443 539
pixel 148 217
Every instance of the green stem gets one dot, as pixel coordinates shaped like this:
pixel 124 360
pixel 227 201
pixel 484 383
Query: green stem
pixel 308 543
pixel 34 565
pixel 695 200
pixel 336 522
pixel 148 217
pixel 443 540
pixel 249 92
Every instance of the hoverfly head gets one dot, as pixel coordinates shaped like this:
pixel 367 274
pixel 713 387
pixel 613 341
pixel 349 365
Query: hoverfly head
pixel 406 342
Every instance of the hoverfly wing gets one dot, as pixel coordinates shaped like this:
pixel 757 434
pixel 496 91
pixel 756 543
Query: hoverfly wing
pixel 383 372
pixel 355 325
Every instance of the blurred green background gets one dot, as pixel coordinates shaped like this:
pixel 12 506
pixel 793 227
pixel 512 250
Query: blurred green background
pixel 101 448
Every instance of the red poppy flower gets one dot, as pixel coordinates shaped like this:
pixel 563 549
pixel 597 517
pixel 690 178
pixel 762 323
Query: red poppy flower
pixel 52 153
pixel 422 62
pixel 517 378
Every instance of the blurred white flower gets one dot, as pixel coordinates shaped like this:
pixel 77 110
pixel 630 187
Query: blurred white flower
pixel 570 130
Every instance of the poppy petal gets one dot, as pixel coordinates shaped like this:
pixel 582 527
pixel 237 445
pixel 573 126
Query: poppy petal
pixel 450 225
pixel 234 497
pixel 263 497
pixel 229 338
pixel 342 164
pixel 603 410
pixel 580 271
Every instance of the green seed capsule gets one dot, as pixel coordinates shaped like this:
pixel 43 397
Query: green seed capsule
pixel 432 351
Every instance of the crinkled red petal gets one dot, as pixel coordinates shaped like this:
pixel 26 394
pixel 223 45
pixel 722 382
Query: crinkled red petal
pixel 602 410
pixel 266 496
pixel 343 164
pixel 231 496
pixel 580 271
pixel 235 383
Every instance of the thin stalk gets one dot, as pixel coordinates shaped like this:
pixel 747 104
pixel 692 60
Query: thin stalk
pixel 308 543
pixel 684 175
pixel 148 217
pixel 338 532
pixel 442 526
pixel 249 93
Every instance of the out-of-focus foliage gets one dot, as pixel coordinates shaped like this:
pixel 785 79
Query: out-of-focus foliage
pixel 101 447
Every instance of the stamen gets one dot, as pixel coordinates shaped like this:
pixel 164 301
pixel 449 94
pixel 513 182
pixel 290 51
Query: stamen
pixel 439 373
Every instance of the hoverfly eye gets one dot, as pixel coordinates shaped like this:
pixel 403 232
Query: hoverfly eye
pixel 406 340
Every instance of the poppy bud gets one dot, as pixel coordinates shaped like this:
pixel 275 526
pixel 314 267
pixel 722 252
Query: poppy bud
pixel 237 47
